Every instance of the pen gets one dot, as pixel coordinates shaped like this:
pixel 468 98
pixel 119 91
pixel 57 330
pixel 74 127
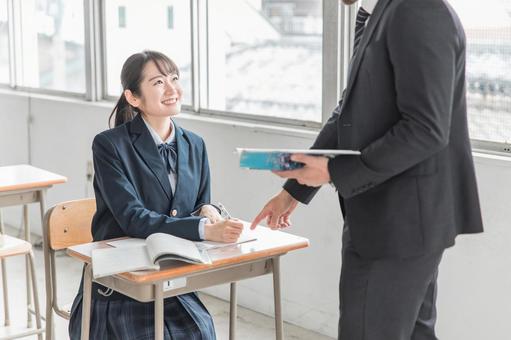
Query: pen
pixel 223 212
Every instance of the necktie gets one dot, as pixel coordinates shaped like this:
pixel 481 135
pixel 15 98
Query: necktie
pixel 168 153
pixel 360 26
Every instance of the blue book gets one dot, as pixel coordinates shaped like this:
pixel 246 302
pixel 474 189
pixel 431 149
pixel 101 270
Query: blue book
pixel 280 159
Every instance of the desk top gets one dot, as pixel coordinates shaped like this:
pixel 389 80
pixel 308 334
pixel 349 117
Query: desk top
pixel 269 243
pixel 20 177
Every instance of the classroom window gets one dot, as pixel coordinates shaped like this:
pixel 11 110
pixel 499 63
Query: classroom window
pixel 52 45
pixel 149 34
pixel 4 43
pixel 488 31
pixel 170 17
pixel 122 16
pixel 265 58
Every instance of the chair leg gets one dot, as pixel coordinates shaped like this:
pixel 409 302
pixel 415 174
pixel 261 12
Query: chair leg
pixel 30 258
pixel 7 321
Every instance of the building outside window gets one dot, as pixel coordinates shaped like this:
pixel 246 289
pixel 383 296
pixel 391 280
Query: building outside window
pixel 488 31
pixel 4 43
pixel 122 16
pixel 170 17
pixel 52 45
pixel 148 29
pixel 265 58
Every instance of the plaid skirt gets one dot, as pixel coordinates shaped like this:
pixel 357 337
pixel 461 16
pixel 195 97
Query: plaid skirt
pixel 185 318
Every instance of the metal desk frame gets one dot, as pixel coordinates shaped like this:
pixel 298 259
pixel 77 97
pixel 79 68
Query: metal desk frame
pixel 154 286
pixel 13 198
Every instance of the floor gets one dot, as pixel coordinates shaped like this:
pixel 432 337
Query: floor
pixel 251 325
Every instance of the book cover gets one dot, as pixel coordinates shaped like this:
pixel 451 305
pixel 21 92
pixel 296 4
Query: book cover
pixel 280 159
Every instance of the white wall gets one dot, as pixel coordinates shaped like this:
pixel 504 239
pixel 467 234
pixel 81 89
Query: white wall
pixel 475 276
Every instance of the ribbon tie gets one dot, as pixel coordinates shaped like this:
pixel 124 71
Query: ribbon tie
pixel 168 153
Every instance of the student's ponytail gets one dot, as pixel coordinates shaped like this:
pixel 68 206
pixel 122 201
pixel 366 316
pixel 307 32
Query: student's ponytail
pixel 123 112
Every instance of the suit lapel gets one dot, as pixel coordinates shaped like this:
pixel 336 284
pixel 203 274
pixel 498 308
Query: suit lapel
pixel 183 168
pixel 147 150
pixel 369 30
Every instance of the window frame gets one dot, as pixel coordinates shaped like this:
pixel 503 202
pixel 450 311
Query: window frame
pixel 338 24
pixel 15 50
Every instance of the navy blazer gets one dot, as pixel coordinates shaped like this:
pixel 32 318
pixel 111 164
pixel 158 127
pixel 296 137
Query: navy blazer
pixel 413 188
pixel 133 192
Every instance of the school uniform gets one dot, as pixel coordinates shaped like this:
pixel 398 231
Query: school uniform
pixel 136 196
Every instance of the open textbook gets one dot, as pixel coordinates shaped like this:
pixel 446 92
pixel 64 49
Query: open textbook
pixel 280 159
pixel 133 254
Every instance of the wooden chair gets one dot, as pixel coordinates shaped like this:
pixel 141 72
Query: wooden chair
pixel 12 246
pixel 66 224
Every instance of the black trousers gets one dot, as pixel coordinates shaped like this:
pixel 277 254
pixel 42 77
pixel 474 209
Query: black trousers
pixel 388 298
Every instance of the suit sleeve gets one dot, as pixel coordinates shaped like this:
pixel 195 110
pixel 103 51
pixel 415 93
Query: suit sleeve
pixel 122 200
pixel 423 44
pixel 326 139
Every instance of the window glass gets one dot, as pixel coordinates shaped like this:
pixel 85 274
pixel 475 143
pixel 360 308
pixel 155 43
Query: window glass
pixel 4 43
pixel 488 30
pixel 265 57
pixel 53 45
pixel 147 27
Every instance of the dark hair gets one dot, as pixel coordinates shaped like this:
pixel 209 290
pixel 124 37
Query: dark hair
pixel 131 76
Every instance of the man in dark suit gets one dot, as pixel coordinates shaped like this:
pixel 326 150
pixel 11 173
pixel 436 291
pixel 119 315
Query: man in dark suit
pixel 413 189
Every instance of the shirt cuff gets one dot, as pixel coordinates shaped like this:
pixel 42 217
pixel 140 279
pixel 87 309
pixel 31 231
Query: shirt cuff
pixel 202 222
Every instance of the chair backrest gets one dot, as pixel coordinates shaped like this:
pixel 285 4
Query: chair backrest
pixel 69 223
pixel 65 225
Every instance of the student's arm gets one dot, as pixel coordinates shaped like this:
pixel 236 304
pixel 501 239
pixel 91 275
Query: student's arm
pixel 121 198
pixel 204 196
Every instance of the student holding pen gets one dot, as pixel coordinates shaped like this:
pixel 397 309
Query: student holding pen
pixel 151 176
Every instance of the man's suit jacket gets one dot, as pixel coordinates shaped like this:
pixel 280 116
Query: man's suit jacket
pixel 413 188
pixel 133 192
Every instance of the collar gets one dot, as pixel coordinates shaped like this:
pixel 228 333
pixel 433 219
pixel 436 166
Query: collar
pixel 157 139
pixel 369 5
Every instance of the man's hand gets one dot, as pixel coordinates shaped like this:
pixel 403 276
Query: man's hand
pixel 211 213
pixel 224 231
pixel 314 172
pixel 277 211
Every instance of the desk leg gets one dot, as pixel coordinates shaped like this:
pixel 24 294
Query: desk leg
pixel 86 303
pixel 26 227
pixel 233 312
pixel 276 294
pixel 158 311
pixel 36 296
pixel 47 266
pixel 7 322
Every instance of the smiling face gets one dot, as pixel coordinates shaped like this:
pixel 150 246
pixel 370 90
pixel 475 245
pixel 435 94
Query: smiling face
pixel 160 94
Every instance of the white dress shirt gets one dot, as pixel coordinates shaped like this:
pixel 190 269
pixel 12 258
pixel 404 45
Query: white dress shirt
pixel 369 6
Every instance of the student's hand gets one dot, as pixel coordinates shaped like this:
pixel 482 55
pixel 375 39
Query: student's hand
pixel 314 172
pixel 211 213
pixel 223 231
pixel 277 211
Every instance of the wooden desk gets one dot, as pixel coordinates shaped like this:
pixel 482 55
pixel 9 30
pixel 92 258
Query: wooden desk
pixel 21 185
pixel 230 264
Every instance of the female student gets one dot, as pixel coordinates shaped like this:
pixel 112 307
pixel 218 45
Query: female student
pixel 150 176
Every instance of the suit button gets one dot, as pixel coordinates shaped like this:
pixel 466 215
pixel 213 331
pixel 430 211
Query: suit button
pixel 173 212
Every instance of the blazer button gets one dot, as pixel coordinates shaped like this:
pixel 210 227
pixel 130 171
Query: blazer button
pixel 173 212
